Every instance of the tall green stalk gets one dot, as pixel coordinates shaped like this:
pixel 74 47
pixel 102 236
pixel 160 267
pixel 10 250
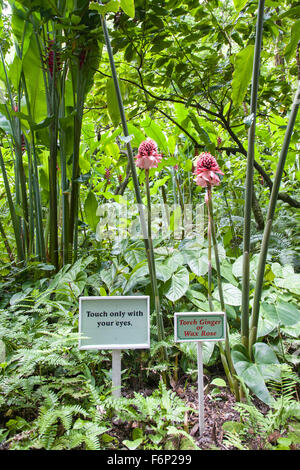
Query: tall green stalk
pixel 64 178
pixel 13 215
pixel 81 84
pixel 249 178
pixel 6 243
pixel 159 320
pixel 147 242
pixel 212 240
pixel 53 135
pixel 270 216
pixel 34 171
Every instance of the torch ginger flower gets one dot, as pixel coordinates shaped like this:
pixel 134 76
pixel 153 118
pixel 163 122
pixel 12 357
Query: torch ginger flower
pixel 147 156
pixel 206 171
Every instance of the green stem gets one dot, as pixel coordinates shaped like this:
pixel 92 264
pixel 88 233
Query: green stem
pixel 35 182
pixel 64 179
pixel 14 219
pixel 270 216
pixel 159 320
pixel 6 243
pixel 209 274
pixel 249 177
pixel 75 187
pixel 225 355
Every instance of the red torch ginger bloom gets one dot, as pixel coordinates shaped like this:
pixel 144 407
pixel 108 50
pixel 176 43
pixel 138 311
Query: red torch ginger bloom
pixel 50 57
pixel 147 156
pixel 206 171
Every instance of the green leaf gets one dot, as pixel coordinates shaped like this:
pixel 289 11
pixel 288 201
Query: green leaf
pixel 197 262
pixel 295 37
pixel 134 256
pixel 112 102
pixel 268 319
pixel 113 6
pixel 242 74
pixel 254 374
pixel 288 313
pixel 32 69
pixel 137 133
pixel 232 294
pixel 132 445
pixel 177 285
pixel 163 272
pixel 153 130
pixel 218 382
pixel 239 4
pixel 128 7
pixel 90 210
pixel 5 124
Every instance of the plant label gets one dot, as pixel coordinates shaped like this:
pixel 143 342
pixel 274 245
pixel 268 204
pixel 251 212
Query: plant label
pixel 199 326
pixel 121 322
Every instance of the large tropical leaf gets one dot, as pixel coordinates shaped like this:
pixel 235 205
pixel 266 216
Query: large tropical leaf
pixel 177 286
pixel 255 373
pixel 242 74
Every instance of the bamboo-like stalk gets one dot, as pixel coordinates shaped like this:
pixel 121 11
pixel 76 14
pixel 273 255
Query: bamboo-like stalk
pixel 225 354
pixel 6 243
pixel 53 137
pixel 270 216
pixel 81 81
pixel 249 178
pixel 159 321
pixel 147 242
pixel 64 179
pixel 41 251
pixel 14 219
pixel 209 273
pixel 20 182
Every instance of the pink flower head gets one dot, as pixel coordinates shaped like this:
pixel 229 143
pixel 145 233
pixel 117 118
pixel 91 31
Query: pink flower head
pixel 147 156
pixel 206 170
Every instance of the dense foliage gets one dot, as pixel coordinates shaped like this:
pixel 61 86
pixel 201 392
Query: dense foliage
pixel 69 224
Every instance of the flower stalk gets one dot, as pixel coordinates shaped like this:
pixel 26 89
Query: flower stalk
pixel 207 170
pixel 225 354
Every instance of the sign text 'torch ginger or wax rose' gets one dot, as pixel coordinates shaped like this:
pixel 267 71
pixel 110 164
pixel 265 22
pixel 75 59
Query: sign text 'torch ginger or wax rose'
pixel 190 326
pixel 121 322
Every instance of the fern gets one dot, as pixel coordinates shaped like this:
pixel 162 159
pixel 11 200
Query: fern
pixel 286 386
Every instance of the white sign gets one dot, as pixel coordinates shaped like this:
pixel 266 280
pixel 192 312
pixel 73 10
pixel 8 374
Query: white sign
pixel 116 322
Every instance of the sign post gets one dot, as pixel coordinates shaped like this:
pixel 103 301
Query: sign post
pixel 115 323
pixel 199 327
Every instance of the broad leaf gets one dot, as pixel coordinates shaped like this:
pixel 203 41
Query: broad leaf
pixel 112 102
pixel 197 262
pixel 232 294
pixel 177 285
pixel 153 130
pixel 90 210
pixel 112 5
pixel 295 37
pixel 254 374
pixel 242 74
pixel 128 7
pixel 288 313
pixel 239 4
